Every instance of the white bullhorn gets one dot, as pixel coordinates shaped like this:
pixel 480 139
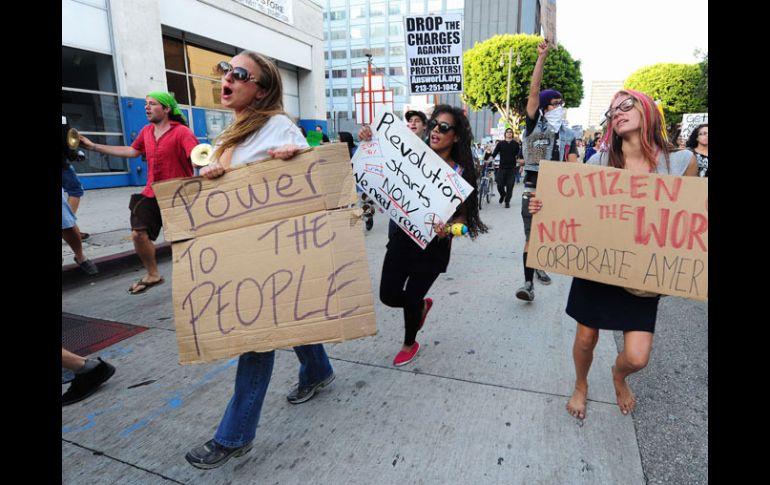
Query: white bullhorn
pixel 201 155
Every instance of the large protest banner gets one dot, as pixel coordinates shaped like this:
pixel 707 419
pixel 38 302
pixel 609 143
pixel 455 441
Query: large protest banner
pixel 690 121
pixel 434 53
pixel 267 256
pixel 642 231
pixel 412 184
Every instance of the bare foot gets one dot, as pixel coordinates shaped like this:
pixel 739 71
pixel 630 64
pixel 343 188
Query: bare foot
pixel 626 399
pixel 576 405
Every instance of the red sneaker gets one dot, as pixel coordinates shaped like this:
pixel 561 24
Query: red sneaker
pixel 428 306
pixel 403 358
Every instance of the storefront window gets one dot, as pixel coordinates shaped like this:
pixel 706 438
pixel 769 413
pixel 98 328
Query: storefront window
pixel 99 162
pixel 87 70
pixel 191 78
pixel 216 121
pixel 90 102
pixel 205 93
pixel 177 85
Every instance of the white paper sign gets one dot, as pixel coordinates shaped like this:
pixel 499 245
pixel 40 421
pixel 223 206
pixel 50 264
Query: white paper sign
pixel 412 184
pixel 690 121
pixel 434 53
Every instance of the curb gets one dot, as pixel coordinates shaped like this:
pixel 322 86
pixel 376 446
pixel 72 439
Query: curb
pixel 112 261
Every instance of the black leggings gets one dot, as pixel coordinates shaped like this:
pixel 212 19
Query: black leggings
pixel 396 272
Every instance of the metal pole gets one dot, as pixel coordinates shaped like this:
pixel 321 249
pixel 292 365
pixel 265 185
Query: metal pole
pixel 369 75
pixel 508 99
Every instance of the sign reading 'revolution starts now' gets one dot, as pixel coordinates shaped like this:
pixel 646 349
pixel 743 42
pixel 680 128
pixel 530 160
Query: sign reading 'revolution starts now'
pixel 413 185
pixel 434 53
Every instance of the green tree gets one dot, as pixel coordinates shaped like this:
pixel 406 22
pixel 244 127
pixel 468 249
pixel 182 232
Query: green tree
pixel 486 82
pixel 674 86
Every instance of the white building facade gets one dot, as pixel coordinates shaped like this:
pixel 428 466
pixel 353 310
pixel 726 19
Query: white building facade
pixel 114 52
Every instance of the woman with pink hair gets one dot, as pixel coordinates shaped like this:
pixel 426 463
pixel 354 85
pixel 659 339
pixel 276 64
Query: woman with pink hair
pixel 634 141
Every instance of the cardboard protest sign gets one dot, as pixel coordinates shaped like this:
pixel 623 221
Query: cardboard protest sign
pixel 434 53
pixel 548 20
pixel 314 138
pixel 690 121
pixel 412 184
pixel 267 256
pixel 643 231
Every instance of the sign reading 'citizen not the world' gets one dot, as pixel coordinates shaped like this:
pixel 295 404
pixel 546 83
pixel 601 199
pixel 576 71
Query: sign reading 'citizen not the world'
pixel 647 231
pixel 434 53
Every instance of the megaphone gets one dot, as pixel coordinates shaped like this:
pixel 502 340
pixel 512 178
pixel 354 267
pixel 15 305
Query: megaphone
pixel 73 139
pixel 201 155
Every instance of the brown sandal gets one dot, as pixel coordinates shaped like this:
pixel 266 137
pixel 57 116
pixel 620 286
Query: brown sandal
pixel 144 286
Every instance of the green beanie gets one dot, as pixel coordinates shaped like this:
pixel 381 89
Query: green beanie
pixel 168 101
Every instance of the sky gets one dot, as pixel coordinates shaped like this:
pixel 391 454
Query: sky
pixel 614 38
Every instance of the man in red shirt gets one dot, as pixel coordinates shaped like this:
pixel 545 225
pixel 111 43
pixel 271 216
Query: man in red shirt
pixel 166 143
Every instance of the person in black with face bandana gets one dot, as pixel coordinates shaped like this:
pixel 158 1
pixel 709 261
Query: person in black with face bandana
pixel 546 137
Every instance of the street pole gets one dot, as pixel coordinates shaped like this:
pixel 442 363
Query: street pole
pixel 369 75
pixel 508 98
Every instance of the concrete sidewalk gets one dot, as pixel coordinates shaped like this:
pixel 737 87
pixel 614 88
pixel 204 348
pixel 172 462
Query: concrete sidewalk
pixel 482 403
pixel 104 214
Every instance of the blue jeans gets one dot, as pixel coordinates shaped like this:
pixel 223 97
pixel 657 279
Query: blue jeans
pixel 70 182
pixel 239 424
pixel 68 219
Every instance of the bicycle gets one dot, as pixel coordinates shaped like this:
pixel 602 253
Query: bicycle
pixel 486 186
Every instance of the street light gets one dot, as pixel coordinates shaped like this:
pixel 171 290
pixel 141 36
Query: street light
pixel 518 63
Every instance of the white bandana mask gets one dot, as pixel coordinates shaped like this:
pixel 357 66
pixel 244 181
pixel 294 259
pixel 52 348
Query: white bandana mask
pixel 554 118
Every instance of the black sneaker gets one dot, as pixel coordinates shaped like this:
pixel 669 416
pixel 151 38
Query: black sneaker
pixel 543 277
pixel 212 455
pixel 526 292
pixel 507 205
pixel 369 223
pixel 502 197
pixel 301 394
pixel 85 384
pixel 88 267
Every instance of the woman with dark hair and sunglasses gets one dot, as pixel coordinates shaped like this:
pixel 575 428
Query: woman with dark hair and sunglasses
pixel 634 141
pixel 409 271
pixel 251 86
pixel 698 142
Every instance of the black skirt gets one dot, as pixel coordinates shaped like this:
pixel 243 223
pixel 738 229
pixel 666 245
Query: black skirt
pixel 609 307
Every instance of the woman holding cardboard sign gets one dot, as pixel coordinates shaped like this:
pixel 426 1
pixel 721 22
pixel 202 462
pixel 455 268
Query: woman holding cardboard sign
pixel 636 143
pixel 251 86
pixel 408 271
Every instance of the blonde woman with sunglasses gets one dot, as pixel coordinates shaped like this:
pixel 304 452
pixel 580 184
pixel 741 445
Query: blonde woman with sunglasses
pixel 251 87
pixel 634 142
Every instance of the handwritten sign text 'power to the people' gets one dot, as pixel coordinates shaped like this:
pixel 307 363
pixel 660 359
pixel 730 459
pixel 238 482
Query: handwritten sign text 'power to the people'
pixel 412 184
pixel 642 231
pixel 267 256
